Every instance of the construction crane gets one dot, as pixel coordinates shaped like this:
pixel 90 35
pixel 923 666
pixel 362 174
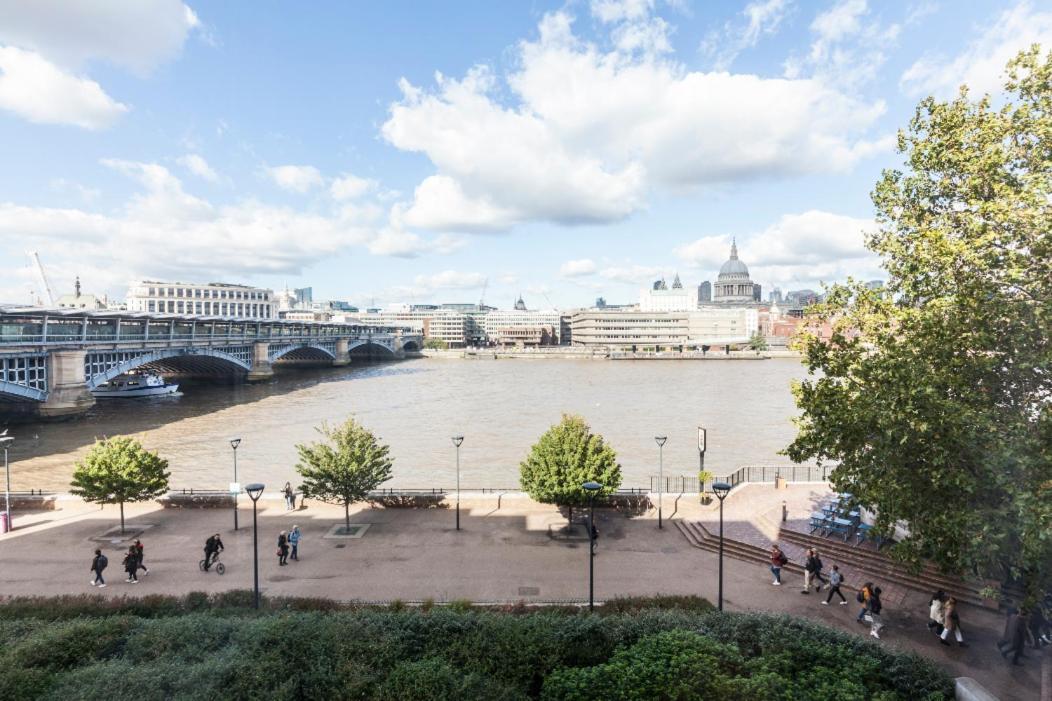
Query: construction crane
pixel 42 278
pixel 482 297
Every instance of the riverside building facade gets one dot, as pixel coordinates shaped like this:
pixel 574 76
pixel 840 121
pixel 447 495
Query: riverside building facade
pixel 637 330
pixel 196 299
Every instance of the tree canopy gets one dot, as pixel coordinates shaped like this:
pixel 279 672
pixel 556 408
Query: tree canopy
pixel 345 467
pixel 119 470
pixel 934 394
pixel 565 457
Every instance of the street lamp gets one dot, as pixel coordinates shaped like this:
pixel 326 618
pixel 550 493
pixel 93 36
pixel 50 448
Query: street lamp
pixel 254 491
pixel 591 488
pixel 235 487
pixel 457 440
pixel 702 436
pixel 721 490
pixel 4 440
pixel 660 440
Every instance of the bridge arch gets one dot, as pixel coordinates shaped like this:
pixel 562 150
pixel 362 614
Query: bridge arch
pixel 169 360
pixel 302 351
pixel 411 347
pixel 365 347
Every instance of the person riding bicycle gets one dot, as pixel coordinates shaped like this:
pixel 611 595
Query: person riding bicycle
pixel 212 548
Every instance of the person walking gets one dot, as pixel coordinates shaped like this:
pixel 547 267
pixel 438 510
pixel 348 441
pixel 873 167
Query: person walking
pixel 875 607
pixel 290 496
pixel 778 561
pixel 1015 637
pixel 935 612
pixel 294 541
pixel 835 580
pixel 139 552
pixel 98 564
pixel 213 546
pixel 131 565
pixel 812 571
pixel 951 623
pixel 283 548
pixel 863 597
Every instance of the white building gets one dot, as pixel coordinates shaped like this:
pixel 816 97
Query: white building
pixel 663 330
pixel 212 299
pixel 496 322
pixel 662 299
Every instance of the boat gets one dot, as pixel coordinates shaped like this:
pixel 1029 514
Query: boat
pixel 132 385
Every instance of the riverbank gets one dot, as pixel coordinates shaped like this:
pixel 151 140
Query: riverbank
pixel 564 353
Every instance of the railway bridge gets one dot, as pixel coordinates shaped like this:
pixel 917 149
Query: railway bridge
pixel 51 359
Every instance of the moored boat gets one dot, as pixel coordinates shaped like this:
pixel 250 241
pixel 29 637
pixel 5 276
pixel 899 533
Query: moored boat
pixel 132 385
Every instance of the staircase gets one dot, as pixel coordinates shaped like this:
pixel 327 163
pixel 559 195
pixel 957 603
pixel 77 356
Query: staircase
pixel 699 536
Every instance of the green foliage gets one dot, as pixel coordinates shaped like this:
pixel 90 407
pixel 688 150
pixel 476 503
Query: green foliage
pixel 565 457
pixel 435 344
pixel 344 468
pixel 119 470
pixel 445 654
pixel 931 395
pixel 757 342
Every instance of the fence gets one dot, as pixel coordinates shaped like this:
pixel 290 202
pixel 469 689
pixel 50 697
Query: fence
pixel 750 473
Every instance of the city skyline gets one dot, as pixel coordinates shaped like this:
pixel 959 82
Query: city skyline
pixel 297 146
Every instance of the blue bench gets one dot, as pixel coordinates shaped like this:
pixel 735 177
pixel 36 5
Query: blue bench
pixel 840 526
pixel 818 521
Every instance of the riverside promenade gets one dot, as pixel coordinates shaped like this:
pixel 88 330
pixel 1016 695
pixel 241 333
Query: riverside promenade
pixel 504 553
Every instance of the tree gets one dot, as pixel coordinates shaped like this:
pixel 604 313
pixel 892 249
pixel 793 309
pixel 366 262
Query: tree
pixel 565 457
pixel 757 342
pixel 932 394
pixel 344 468
pixel 118 470
pixel 435 344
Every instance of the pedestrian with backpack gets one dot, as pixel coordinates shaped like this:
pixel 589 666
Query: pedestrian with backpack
pixel 863 597
pixel 778 561
pixel 835 580
pixel 294 541
pixel 283 548
pixel 98 564
pixel 812 571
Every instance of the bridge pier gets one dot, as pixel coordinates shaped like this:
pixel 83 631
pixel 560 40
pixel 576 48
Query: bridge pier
pixel 261 368
pixel 68 392
pixel 343 356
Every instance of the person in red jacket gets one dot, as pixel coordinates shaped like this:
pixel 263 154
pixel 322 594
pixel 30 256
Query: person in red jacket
pixel 778 561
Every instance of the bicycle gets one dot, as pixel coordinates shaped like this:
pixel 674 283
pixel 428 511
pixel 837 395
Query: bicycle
pixel 219 566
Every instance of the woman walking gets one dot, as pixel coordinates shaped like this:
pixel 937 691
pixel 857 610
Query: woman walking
pixel 131 565
pixel 283 548
pixel 935 612
pixel 951 623
pixel 875 607
pixel 294 541
pixel 290 497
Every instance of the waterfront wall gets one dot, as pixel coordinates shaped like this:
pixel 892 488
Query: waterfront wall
pixel 563 353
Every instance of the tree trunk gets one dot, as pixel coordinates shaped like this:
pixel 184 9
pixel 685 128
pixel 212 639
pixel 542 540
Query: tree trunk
pixel 347 517
pixel 569 520
pixel 122 518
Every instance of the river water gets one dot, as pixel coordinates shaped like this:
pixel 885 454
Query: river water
pixel 500 406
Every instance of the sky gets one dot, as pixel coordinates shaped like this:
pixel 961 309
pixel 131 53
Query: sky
pixel 415 152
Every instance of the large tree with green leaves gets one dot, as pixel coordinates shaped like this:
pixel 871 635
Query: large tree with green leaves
pixel 119 470
pixel 565 457
pixel 345 467
pixel 934 394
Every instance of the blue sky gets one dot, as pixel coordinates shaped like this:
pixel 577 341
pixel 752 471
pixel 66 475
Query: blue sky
pixel 409 152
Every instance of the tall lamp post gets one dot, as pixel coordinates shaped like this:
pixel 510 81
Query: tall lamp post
pixel 457 440
pixel 4 440
pixel 721 490
pixel 592 488
pixel 660 440
pixel 254 491
pixel 702 436
pixel 235 487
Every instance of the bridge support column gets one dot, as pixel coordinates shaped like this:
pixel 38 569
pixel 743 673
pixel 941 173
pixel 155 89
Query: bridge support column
pixel 68 392
pixel 343 356
pixel 261 368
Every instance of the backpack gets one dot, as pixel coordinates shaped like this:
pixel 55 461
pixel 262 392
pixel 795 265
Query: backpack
pixel 860 597
pixel 782 559
pixel 103 561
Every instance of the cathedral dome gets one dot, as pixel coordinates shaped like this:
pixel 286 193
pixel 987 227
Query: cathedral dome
pixel 734 268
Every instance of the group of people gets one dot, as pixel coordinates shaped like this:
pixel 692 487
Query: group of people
pixel 868 596
pixel 1022 627
pixel 944 619
pixel 289 541
pixel 132 563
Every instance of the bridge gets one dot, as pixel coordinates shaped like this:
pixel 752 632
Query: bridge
pixel 51 359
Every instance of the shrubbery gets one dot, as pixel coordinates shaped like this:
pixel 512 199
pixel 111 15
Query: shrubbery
pixel 287 652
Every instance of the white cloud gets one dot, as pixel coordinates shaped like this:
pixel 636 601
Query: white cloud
pixel 580 134
pixel 37 90
pixel 981 65
pixel 631 274
pixel 398 243
pixel 620 10
pixel 197 165
pixel 135 34
pixel 450 280
pixel 849 47
pixel 295 178
pixel 350 187
pixel 761 18
pixel 85 193
pixel 576 268
pixel 798 249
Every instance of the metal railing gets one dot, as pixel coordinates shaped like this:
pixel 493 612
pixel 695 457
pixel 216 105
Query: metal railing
pixel 768 473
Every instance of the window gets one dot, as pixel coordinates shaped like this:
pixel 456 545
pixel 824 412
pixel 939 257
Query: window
pixel 151 306
pixel 171 291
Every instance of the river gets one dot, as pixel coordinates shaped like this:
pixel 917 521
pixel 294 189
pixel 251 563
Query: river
pixel 500 406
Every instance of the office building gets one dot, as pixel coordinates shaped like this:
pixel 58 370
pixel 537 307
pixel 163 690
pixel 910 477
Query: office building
pixel 211 299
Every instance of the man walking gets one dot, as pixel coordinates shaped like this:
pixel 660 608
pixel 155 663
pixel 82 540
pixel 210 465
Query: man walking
pixel 835 580
pixel 1015 637
pixel 294 541
pixel 213 546
pixel 98 564
pixel 778 561
pixel 139 553
pixel 812 571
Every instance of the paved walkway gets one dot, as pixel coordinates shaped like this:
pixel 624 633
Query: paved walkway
pixel 503 553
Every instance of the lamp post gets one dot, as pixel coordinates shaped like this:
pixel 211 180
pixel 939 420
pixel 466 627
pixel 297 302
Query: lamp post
pixel 591 488
pixel 235 487
pixel 254 491
pixel 702 436
pixel 457 440
pixel 5 439
pixel 660 440
pixel 721 490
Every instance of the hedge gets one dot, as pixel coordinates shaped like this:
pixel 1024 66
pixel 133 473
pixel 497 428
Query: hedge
pixel 219 651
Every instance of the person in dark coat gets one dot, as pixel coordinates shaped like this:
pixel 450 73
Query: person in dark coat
pixel 283 548
pixel 1015 637
pixel 213 546
pixel 139 551
pixel 131 565
pixel 98 564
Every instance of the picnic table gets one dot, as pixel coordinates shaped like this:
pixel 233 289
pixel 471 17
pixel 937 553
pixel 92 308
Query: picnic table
pixel 840 526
